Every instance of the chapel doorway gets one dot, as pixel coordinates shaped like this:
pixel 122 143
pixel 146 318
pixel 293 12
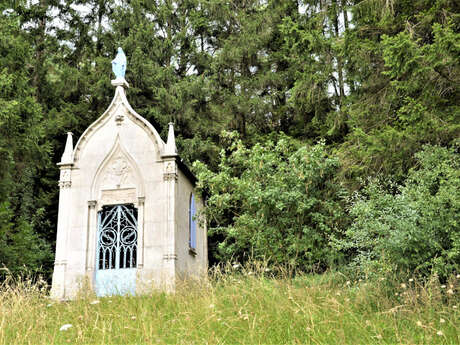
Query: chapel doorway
pixel 116 253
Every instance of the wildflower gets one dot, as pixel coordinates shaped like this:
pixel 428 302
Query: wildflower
pixel 308 329
pixel 250 273
pixel 65 327
pixel 338 293
pixel 403 285
pixel 442 320
pixel 458 276
pixel 419 323
pixel 382 279
pixel 379 337
pixel 133 317
pixel 454 307
pixel 49 305
pixel 443 286
pixel 211 306
pixel 450 292
pixel 348 283
pixel 95 302
pixel 411 280
pixel 440 333
pixel 267 270
pixel 235 266
pixel 396 294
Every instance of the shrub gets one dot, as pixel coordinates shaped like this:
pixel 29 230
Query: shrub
pixel 416 229
pixel 274 201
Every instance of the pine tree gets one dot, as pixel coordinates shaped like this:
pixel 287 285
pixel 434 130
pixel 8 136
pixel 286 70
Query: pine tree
pixel 24 153
pixel 405 73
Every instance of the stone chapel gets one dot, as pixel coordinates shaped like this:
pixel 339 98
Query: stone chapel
pixel 128 214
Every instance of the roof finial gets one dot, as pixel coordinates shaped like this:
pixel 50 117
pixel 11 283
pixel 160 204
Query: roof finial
pixel 67 155
pixel 171 149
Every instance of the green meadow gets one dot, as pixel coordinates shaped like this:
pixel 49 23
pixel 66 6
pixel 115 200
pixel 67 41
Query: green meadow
pixel 241 307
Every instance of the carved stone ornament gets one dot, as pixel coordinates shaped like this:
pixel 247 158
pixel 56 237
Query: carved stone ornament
pixel 170 177
pixel 119 119
pixel 118 173
pixel 170 172
pixel 65 175
pixel 65 184
pixel 64 180
pixel 169 168
pixel 118 196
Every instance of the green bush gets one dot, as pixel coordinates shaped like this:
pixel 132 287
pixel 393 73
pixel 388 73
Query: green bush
pixel 275 202
pixel 416 229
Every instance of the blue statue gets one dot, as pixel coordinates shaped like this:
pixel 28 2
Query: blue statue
pixel 119 64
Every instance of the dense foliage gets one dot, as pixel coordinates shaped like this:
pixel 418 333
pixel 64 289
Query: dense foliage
pixel 372 80
pixel 415 228
pixel 24 153
pixel 274 202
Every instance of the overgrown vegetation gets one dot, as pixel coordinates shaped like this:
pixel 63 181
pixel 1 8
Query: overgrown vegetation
pixel 242 306
pixel 414 229
pixel 282 203
pixel 277 202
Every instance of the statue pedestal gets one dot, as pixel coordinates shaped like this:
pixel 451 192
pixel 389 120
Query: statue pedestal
pixel 120 82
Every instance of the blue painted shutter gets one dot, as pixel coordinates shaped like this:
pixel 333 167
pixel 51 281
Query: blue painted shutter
pixel 192 223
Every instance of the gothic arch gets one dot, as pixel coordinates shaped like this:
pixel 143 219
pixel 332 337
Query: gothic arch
pixel 118 101
pixel 118 169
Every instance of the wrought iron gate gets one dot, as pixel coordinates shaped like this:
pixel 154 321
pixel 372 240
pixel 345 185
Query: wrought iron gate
pixel 116 257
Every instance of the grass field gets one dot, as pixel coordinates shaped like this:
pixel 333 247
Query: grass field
pixel 241 308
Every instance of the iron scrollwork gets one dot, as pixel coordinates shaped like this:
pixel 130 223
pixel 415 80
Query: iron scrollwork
pixel 117 237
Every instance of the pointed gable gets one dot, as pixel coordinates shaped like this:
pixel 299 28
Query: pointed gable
pixel 116 115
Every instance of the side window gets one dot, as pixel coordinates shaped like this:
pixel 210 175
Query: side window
pixel 192 223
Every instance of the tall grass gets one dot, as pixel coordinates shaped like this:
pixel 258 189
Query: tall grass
pixel 241 306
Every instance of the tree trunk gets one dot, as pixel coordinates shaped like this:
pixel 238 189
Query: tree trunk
pixel 40 50
pixel 335 21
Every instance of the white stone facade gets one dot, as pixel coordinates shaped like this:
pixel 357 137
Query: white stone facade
pixel 121 159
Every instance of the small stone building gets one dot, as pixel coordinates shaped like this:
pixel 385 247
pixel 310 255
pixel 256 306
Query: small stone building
pixel 128 215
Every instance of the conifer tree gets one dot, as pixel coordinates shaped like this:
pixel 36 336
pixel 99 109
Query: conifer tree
pixel 24 154
pixel 405 72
